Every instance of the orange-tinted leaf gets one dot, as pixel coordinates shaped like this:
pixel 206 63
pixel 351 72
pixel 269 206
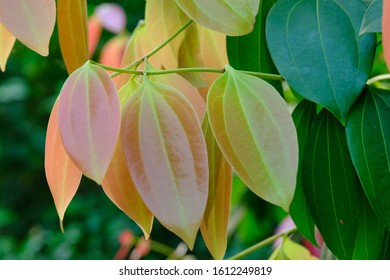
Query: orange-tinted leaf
pixel 112 52
pixel 7 41
pixel 73 32
pixel 386 31
pixel 62 175
pixel 215 221
pixel 94 34
pixel 89 119
pixel 166 154
pixel 31 22
pixel 254 129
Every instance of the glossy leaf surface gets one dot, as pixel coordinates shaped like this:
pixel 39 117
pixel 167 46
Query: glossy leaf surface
pixel 372 21
pixel 89 119
pixel 330 184
pixel 7 41
pixel 260 143
pixel 73 32
pixel 226 16
pixel 316 48
pixel 31 22
pixel 386 32
pixel 215 221
pixel 62 174
pixel 303 117
pixel 368 134
pixel 167 157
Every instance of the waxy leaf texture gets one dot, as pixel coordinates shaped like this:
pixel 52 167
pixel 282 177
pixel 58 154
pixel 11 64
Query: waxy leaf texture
pixel 255 131
pixel 167 157
pixel 89 119
pixel 31 22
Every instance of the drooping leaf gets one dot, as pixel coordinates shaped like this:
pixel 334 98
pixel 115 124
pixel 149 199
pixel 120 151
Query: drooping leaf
pixel 320 60
pixel 370 232
pixel 73 32
pixel 89 119
pixel 386 32
pixel 63 177
pixel 368 134
pixel 94 34
pixel 31 22
pixel 290 250
pixel 303 117
pixel 372 21
pixel 255 131
pixel 250 52
pixel 167 157
pixel 330 184
pixel 231 17
pixel 7 41
pixel 112 17
pixel 215 221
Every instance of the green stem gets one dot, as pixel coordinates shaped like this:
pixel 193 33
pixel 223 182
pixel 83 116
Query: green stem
pixel 262 244
pixel 378 78
pixel 136 63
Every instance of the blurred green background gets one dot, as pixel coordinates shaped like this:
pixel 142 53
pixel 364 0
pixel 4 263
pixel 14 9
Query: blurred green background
pixel 29 227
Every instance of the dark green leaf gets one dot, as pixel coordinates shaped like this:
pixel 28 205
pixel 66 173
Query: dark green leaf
pixel 316 48
pixel 372 21
pixel 385 248
pixel 303 116
pixel 330 184
pixel 368 134
pixel 250 52
pixel 370 232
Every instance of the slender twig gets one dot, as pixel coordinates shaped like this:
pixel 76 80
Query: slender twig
pixel 262 244
pixel 378 78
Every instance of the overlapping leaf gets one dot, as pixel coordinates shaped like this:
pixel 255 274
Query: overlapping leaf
pixel 62 175
pixel 73 32
pixel 368 134
pixel 254 129
pixel 31 22
pixel 372 21
pixel 113 50
pixel 231 17
pixel 330 184
pixel 7 41
pixel 321 61
pixel 386 31
pixel 215 221
pixel 167 157
pixel 303 117
pixel 89 119
pixel 94 34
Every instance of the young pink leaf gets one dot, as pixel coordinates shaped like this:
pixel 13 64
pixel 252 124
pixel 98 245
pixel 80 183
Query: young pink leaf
pixel 386 31
pixel 94 34
pixel 7 41
pixel 89 119
pixel 62 175
pixel 112 52
pixel 167 157
pixel 31 22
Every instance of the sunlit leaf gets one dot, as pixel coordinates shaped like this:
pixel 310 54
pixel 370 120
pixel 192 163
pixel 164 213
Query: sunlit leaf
pixel 89 119
pixel 330 184
pixel 215 221
pixel 320 60
pixel 231 17
pixel 7 41
pixel 255 131
pixel 386 31
pixel 62 175
pixel 73 32
pixel 31 22
pixel 290 250
pixel 94 33
pixel 303 117
pixel 372 21
pixel 112 17
pixel 167 157
pixel 368 134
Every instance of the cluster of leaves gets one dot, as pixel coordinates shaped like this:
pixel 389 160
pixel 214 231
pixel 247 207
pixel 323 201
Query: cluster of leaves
pixel 165 131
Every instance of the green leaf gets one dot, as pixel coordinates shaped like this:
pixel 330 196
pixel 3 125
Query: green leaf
pixel 331 185
pixel 290 250
pixel 385 247
pixel 250 52
pixel 255 131
pixel 316 48
pixel 372 21
pixel 231 17
pixel 303 117
pixel 370 232
pixel 368 134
